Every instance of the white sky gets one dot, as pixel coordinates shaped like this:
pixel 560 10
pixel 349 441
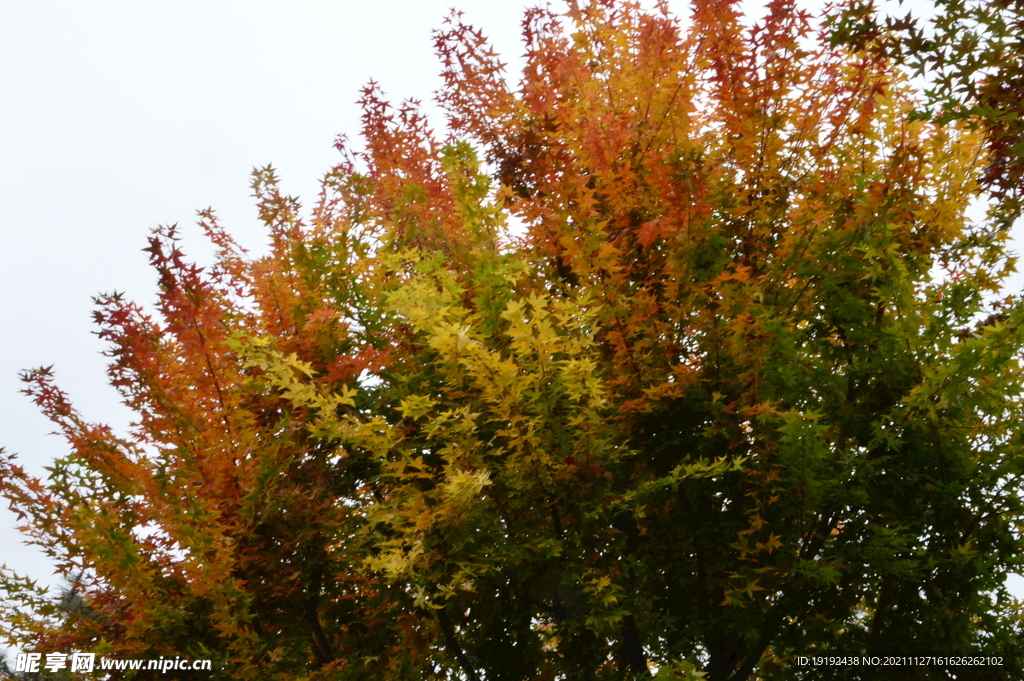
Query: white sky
pixel 117 116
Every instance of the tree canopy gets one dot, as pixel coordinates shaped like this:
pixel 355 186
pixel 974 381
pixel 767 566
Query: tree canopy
pixel 971 52
pixel 681 353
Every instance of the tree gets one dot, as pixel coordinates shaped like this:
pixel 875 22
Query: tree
pixel 680 355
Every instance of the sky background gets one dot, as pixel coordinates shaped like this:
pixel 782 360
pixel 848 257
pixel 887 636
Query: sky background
pixel 116 117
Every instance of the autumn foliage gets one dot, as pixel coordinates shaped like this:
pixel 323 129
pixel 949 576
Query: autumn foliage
pixel 679 354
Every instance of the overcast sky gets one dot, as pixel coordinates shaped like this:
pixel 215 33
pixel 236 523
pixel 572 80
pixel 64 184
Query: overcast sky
pixel 118 116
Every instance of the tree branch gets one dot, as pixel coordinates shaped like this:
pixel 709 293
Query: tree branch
pixel 452 644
